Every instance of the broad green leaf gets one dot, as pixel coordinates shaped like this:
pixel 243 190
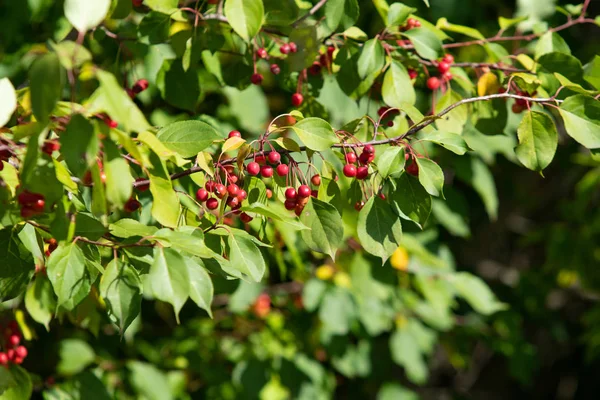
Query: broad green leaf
pixel 155 26
pixel 443 24
pixel 355 33
pixel 391 162
pixel 40 301
pixel 185 238
pixel 165 207
pixel 474 172
pixel 164 6
pixel 315 133
pixel 398 13
pixel 246 257
pixel 274 213
pixel 397 89
pixel 526 82
pixel 350 82
pixel 506 23
pixel 382 8
pixel 69 276
pixel 410 200
pixel 329 192
pixel 337 312
pixel 426 43
pixel 581 116
pixel 8 101
pixel 538 140
pixel 474 290
pixel 149 381
pixel 168 279
pixel 45 79
pixel 245 17
pixel 551 42
pixel 32 242
pixel 178 87
pixel 450 141
pixel 455 120
pixel 306 40
pixel 326 228
pixel 379 229
pixel 88 226
pixel 18 383
pixel 431 176
pixel 341 12
pixel 451 219
pixel 200 284
pixel 188 138
pixel 119 182
pixel 312 293
pixel 84 14
pixel 281 13
pixel 71 54
pixel 150 140
pixel 126 228
pixel 121 289
pixel 75 356
pixel 407 352
pixel 591 75
pixel 372 58
pixel 565 64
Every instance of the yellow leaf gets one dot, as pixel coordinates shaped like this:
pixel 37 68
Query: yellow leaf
pixel 488 84
pixel 325 272
pixel 399 259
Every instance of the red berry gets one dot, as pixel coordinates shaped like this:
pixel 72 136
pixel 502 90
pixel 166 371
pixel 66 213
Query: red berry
pixel 18 360
pixel 14 340
pixel 359 205
pixel 413 169
pixel 274 157
pixel 290 193
pixel 38 206
pixel 316 180
pixel 245 218
pixel 21 352
pixel 202 195
pixel 282 169
pixel 362 172
pixel 350 170
pixel 137 3
pixel 517 109
pixel 234 134
pixel 304 191
pixel 3 358
pixel 210 186
pixel 330 50
pixel 242 194
pixel 298 210
pixel 29 199
pixel 315 69
pixel 233 202
pixel 50 146
pixel 449 58
pixel 433 83
pixel 275 69
pixel 266 171
pixel 369 149
pixel 233 190
pixel 261 53
pixel 412 74
pixel 314 193
pixel 112 123
pixel 269 193
pixel 11 354
pixel 293 47
pixel 351 158
pixel 297 99
pixel 390 123
pixel 285 48
pixel 443 67
pixel 366 158
pixel 132 205
pixel 212 203
pixel 140 86
pixel 256 78
pixel 324 60
pixel 289 204
pixel 220 190
pixel 232 178
pixel 253 168
pixel 382 196
pixel 261 159
pixel 27 212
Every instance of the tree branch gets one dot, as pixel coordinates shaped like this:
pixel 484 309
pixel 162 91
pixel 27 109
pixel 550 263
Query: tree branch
pixel 310 13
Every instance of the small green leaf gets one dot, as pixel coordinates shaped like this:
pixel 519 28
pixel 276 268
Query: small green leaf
pixel 551 42
pixel 326 227
pixel 188 138
pixel 75 356
pixel 463 30
pixel 581 115
pixel 246 257
pixel 474 290
pixel 79 145
pixel 591 75
pixel 168 279
pixel 506 23
pixel 337 312
pixel 538 140
pixel 397 89
pixel 69 276
pixel 8 101
pixel 121 289
pixel 149 381
pixel 119 182
pixel 155 26
pixel 45 77
pixel 71 54
pixel 312 293
pixel 84 14
pixel 379 229
pixel 245 17
pixel 474 172
pixel 391 162
pixel 398 13
pixel 371 59
pixel 450 141
pixel 315 133
pixel 126 228
pixel 410 200
pixel 201 286
pixel 426 43
pixel 341 12
pixel 431 176
pixel 165 207
pixel 40 301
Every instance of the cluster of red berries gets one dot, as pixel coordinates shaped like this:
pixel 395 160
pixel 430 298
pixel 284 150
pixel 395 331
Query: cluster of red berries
pixel 443 67
pixel 410 24
pixel 138 87
pixel 50 146
pixel 521 105
pixel 362 171
pixel 13 351
pixel 296 199
pixel 412 168
pixel 387 115
pixel 87 178
pixel 31 203
pixel 261 52
pixel 325 61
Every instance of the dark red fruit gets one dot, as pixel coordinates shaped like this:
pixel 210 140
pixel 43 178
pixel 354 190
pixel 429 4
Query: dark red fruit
pixel 448 58
pixel 137 3
pixel 433 83
pixel 412 74
pixel 351 158
pixel 315 69
pixel 233 190
pixel 369 149
pixel 275 69
pixel 282 169
pixel 289 204
pixel 266 171
pixel 210 186
pixel 212 203
pixel 132 205
pixel 366 158
pixel 234 134
pixel 316 180
pixel 139 86
pixel 517 109
pixel 304 191
pixel 350 170
pixel 253 168
pixel 202 195
pixel 443 67
pixel 21 352
pixel 245 218
pixel 233 202
pixel 330 50
pixel 290 193
pixel 293 47
pixel 359 205
pixel 144 187
pixel 297 99
pixel 362 172
pixel 14 340
pixel 298 210
pixel 285 48
pixel 274 157
pixel 314 193
pixel 112 123
pixel 220 190
pixel 50 146
pixel 447 75
pixel 261 53
pixel 256 78
pixel 242 194
pixel 38 206
pixel 413 169
pixel 382 196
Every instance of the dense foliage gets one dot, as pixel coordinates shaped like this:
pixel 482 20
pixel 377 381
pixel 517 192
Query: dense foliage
pixel 262 199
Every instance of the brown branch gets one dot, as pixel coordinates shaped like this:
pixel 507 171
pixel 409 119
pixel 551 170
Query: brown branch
pixel 310 13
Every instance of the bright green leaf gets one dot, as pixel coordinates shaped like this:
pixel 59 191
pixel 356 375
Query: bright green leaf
pixel 45 77
pixel 245 17
pixel 315 133
pixel 538 140
pixel 121 289
pixel 326 228
pixel 188 138
pixel 379 229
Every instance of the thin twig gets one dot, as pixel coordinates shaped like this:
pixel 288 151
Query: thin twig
pixel 310 13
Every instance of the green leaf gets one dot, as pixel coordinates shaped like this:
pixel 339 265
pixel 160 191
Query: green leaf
pixel 307 41
pixel 451 219
pixel 391 162
pixel 315 133
pixel 538 140
pixel 565 64
pixel 178 87
pixel 473 171
pixel 165 207
pixel 274 213
pixel 79 145
pixel 344 12
pixel 8 101
pixel 168 279
pixel 337 312
pixel 397 89
pixel 84 14
pixel 455 120
pixel 17 266
pixel 75 356
pixel 126 228
pixel 398 13
pixel 372 58
pixel 392 391
pixel 188 138
pixel 463 30
pixel 450 141
pixel 408 353
pixel 591 75
pixel 45 78
pixel 155 26
pixel 119 182
pixel 149 381
pixel 551 42
pixel 40 301
pixel 349 80
pixel 121 289
pixel 379 229
pixel 312 293
pixel 19 385
pixel 88 226
pixel 426 43
pixel 431 176
pixel 410 200
pixel 581 116
pixel 200 284
pixel 186 238
pixel 476 293
pixel 506 23
pixel 245 17
pixel 326 228
pixel 246 257
pixel 71 54
pixel 69 276
pixel 32 242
